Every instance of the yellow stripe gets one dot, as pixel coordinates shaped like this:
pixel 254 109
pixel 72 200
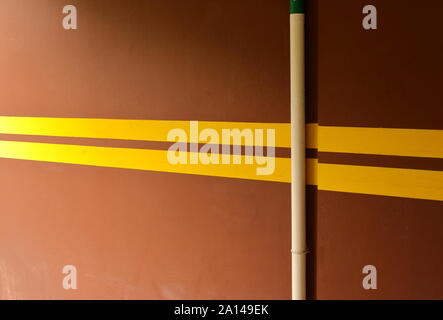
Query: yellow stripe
pixel 382 141
pixel 141 159
pixel 405 183
pixel 312 135
pixel 419 184
pixel 147 130
pixel 312 172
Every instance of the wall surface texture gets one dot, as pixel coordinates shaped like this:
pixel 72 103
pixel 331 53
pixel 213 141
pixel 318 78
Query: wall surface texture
pixel 132 233
pixel 141 234
pixel 391 218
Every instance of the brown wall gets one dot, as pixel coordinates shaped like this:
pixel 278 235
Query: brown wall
pixel 387 78
pixel 140 234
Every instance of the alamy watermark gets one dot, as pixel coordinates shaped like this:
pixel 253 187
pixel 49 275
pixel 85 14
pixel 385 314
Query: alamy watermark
pixel 217 148
pixel 70 280
pixel 370 280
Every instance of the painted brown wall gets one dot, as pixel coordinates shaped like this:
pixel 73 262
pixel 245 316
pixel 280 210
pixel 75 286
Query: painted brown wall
pixel 135 234
pixel 388 78
pixel 139 234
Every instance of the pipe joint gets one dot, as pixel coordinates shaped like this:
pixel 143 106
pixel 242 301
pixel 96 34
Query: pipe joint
pixel 300 253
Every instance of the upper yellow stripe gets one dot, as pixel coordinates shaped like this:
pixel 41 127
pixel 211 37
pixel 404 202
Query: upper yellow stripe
pixel 147 130
pixel 312 135
pixel 381 141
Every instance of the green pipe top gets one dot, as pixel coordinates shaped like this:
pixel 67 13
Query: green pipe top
pixel 297 6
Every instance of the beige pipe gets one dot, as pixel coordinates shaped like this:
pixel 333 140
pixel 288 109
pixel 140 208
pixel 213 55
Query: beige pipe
pixel 298 163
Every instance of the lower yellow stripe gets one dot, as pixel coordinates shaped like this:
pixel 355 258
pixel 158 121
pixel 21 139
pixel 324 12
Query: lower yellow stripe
pixel 142 159
pixel 312 172
pixel 406 183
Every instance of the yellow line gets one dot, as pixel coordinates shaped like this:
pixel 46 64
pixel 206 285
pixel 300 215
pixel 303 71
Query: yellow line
pixel 382 141
pixel 405 183
pixel 147 130
pixel 409 183
pixel 312 172
pixel 141 159
pixel 312 135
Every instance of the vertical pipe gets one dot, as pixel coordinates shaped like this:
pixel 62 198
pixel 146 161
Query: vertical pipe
pixel 298 170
